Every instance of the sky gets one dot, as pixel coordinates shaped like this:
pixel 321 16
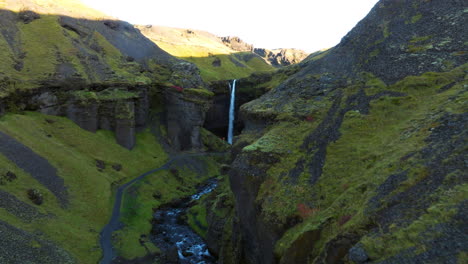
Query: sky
pixel 309 25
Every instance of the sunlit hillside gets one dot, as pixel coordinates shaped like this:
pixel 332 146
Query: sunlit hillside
pixel 185 42
pixel 73 8
pixel 215 60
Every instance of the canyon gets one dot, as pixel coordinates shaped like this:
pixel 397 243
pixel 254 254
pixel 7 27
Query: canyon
pixel 354 154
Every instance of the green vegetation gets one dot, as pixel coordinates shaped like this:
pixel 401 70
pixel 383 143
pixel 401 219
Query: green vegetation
pixel 231 66
pixel 73 152
pixel 335 204
pixel 213 142
pixel 43 46
pixel 197 219
pixel 416 18
pixel 157 189
pixel 199 92
pixel 398 239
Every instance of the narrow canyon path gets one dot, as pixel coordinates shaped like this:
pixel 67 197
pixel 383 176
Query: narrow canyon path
pixel 114 223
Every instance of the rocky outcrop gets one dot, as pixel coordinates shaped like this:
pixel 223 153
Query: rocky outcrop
pixel 237 44
pixel 185 115
pixel 281 57
pixel 276 57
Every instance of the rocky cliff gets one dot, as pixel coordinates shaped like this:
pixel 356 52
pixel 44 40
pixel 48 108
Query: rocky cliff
pixel 98 72
pixel 276 57
pixel 282 57
pixel 358 157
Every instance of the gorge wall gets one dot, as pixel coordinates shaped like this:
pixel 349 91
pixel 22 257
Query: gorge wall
pixel 343 160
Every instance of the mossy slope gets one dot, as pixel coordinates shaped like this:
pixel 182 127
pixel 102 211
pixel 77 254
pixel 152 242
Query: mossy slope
pixel 215 60
pixel 75 154
pixel 58 50
pixel 358 155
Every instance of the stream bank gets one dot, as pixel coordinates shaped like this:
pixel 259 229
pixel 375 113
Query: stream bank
pixel 175 238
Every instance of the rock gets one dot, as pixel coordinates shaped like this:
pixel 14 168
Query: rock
pixel 216 62
pixel 172 256
pixel 225 169
pixel 185 116
pixel 357 254
pixel 10 176
pixel 48 103
pixel 84 114
pixel 28 16
pixel 282 57
pixel 112 24
pixel 117 167
pixel 35 196
pixel 301 248
pixel 101 165
pixel 236 43
pixel 125 124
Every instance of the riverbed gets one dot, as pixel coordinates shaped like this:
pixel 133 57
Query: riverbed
pixel 175 238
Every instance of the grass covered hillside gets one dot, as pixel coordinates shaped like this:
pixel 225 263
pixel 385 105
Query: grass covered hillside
pixel 77 201
pixel 215 60
pixel 91 80
pixel 54 42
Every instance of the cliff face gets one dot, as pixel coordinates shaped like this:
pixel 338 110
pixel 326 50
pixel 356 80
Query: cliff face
pixel 99 73
pixel 359 156
pixel 282 57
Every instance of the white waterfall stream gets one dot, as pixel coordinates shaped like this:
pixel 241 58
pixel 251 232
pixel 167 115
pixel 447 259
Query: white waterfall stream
pixel 231 112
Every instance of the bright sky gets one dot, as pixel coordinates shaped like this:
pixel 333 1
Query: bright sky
pixel 310 25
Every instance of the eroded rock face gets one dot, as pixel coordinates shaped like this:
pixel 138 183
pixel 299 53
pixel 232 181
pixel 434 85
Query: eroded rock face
pixel 185 116
pixel 84 114
pixel 236 43
pixel 282 57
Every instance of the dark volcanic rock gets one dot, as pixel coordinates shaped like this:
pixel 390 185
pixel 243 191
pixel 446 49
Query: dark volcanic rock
pixel 28 16
pixel 19 208
pixel 19 246
pixel 37 166
pixel 185 116
pixel 35 196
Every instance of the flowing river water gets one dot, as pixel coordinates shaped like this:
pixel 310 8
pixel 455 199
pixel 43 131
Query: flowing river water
pixel 172 234
pixel 190 248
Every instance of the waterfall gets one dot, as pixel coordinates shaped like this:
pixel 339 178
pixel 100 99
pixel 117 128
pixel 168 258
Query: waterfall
pixel 231 112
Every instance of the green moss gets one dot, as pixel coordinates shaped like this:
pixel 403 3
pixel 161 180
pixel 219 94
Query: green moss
pixel 419 48
pixel 420 39
pixel 73 152
pixel 386 30
pixel 85 96
pixel 197 219
pixel 369 149
pixel 416 18
pixel 117 94
pixel 228 70
pixel 391 243
pixel 198 92
pixel 374 53
pixel 41 40
pixel 139 201
pixel 213 142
